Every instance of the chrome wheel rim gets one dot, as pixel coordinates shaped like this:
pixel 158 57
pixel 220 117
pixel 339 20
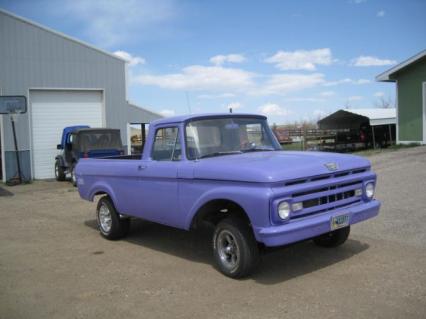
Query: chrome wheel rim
pixel 73 176
pixel 105 220
pixel 228 249
pixel 56 169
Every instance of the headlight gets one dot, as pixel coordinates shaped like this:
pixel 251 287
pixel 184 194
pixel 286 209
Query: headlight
pixel 284 210
pixel 369 190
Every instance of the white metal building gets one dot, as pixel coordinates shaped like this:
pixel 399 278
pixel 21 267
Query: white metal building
pixel 66 82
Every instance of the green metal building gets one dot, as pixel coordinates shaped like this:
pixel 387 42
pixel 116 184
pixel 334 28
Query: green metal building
pixel 410 79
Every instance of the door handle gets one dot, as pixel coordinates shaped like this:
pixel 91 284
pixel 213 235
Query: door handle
pixel 141 167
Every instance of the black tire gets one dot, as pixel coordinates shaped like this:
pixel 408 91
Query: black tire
pixel 59 171
pixel 334 238
pixel 72 172
pixel 243 246
pixel 118 227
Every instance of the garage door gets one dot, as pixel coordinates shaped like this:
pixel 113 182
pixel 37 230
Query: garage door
pixel 51 112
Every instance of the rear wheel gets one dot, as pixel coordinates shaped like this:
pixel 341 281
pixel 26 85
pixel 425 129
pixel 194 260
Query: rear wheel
pixel 334 238
pixel 59 171
pixel 110 225
pixel 235 249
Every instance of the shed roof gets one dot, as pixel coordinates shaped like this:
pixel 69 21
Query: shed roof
pixel 352 118
pixel 138 114
pixel 386 76
pixel 377 116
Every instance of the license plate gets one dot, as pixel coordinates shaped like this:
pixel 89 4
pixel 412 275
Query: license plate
pixel 339 221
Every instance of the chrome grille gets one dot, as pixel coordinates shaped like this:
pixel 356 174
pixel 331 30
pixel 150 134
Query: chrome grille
pixel 325 198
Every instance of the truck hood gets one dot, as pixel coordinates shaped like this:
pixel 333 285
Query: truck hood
pixel 269 167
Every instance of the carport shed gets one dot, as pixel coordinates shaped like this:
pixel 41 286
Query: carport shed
pixel 379 122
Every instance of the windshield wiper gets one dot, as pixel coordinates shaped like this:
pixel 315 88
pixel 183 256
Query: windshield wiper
pixel 220 154
pixel 258 150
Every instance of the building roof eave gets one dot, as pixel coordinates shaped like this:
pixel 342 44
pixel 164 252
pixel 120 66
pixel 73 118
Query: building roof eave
pixel 386 76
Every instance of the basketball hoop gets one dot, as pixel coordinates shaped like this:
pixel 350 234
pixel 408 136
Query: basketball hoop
pixel 13 104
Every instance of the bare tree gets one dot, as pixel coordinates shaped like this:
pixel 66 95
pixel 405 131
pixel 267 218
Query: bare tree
pixel 384 103
pixel 347 105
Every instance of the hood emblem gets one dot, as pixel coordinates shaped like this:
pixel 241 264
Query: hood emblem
pixel 331 166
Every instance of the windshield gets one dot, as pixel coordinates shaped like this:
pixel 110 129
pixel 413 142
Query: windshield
pixel 99 140
pixel 223 136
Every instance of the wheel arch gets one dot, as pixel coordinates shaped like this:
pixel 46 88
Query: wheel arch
pixel 99 190
pixel 215 209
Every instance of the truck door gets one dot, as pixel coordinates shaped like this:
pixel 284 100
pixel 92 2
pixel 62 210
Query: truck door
pixel 158 177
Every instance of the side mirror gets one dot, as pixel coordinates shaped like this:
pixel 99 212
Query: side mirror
pixel 59 147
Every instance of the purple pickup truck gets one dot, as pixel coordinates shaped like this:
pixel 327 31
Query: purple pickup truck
pixel 229 171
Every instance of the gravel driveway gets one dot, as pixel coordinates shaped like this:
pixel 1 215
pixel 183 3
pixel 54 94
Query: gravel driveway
pixel 54 264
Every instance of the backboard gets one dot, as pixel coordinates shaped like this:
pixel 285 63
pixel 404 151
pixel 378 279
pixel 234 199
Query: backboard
pixel 13 104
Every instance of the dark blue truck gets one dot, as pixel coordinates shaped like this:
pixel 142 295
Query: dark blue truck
pixel 84 142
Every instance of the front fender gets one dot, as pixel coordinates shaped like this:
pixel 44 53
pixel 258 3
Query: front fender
pixel 254 201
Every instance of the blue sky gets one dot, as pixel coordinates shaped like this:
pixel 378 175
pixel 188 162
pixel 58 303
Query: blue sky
pixel 290 60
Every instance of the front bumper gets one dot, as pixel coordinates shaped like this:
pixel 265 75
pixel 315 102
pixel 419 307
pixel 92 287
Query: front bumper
pixel 312 226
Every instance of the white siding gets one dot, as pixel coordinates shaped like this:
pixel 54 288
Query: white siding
pixel 51 111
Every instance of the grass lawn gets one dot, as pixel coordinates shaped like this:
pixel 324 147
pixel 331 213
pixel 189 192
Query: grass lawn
pixel 297 146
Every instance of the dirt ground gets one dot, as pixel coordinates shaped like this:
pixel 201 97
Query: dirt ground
pixel 54 263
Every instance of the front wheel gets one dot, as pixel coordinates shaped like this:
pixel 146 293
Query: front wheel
pixel 235 249
pixel 110 225
pixel 334 238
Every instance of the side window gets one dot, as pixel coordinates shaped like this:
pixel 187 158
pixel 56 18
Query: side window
pixel 167 145
pixel 72 141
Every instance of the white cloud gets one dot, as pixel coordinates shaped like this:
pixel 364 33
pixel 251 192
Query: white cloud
pixel 111 23
pixel 355 98
pixel 234 106
pixel 327 93
pixel 365 60
pixel 133 60
pixel 361 81
pixel 230 58
pixel 347 81
pixel 272 109
pixel 226 82
pixel 301 59
pixel 379 94
pixel 198 77
pixel 284 83
pixel 381 13
pixel 167 112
